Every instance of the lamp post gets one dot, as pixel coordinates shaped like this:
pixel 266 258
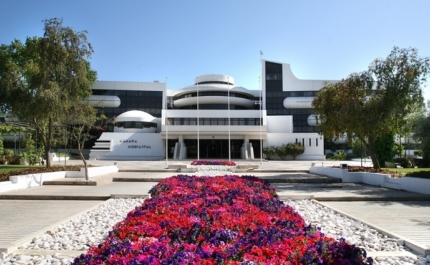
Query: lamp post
pixel 261 123
pixel 261 110
pixel 198 122
pixel 228 98
pixel 167 129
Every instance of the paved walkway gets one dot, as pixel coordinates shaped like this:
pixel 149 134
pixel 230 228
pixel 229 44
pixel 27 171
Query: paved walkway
pixel 28 212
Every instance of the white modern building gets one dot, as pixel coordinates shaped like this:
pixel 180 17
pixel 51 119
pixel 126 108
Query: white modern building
pixel 212 118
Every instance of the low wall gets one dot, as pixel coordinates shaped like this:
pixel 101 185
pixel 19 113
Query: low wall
pixel 32 180
pixel 92 172
pixel 418 185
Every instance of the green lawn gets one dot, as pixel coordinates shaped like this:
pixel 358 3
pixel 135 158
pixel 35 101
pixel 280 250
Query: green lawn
pixel 408 170
pixel 9 168
pixel 413 172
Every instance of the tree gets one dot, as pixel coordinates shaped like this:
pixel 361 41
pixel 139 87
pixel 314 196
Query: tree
pixel 31 155
pixel 79 121
pixel 421 134
pixel 369 104
pixel 43 78
pixel 384 148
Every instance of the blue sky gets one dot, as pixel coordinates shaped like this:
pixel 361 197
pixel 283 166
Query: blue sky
pixel 150 40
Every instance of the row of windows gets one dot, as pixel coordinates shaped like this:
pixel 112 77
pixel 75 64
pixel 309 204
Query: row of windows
pixel 213 93
pixel 215 106
pixel 135 125
pixel 143 100
pixel 305 129
pixel 270 76
pixel 215 121
pixel 292 94
pixel 139 104
pixel 308 141
pixel 148 101
pixel 214 82
pixel 118 111
pixel 133 93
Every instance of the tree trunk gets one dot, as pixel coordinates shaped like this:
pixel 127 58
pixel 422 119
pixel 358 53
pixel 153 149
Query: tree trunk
pixel 80 147
pixel 48 145
pixel 371 148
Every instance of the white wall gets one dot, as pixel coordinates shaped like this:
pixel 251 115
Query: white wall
pixel 292 83
pixel 131 146
pixel 312 151
pixel 279 124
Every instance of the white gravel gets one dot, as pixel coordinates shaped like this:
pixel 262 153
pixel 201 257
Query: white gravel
pixel 92 228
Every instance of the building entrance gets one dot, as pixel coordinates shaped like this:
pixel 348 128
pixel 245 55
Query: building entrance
pixel 213 148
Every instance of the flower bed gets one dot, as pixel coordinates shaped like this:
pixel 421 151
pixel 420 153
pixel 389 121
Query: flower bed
pixel 213 167
pixel 373 170
pixel 220 220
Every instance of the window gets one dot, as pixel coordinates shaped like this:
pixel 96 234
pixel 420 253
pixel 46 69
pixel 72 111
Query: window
pixel 310 142
pixel 316 141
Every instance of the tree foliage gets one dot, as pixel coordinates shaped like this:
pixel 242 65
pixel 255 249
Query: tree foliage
pixel 269 151
pixel 43 78
pixel 290 149
pixel 369 104
pixel 282 151
pixel 81 118
pixel 421 134
pixel 295 149
pixel 384 148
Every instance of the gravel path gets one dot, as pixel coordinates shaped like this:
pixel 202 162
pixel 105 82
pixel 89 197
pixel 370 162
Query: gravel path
pixel 92 228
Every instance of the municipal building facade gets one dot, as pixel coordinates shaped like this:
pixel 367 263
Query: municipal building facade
pixel 210 119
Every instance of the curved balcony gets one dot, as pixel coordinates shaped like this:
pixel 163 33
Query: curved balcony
pixel 298 102
pixel 104 101
pixel 184 102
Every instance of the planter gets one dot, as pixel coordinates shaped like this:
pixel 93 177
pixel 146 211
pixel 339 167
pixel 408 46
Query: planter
pixel 213 170
pixel 417 185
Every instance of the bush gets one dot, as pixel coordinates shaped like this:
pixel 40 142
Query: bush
pixel 407 162
pixel 339 155
pixel 419 174
pixel 295 149
pixel 282 151
pixel 269 151
pixel 418 152
pixel 329 156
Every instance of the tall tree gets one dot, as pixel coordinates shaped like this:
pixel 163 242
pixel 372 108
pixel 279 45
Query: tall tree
pixel 421 134
pixel 43 78
pixel 80 120
pixel 372 103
